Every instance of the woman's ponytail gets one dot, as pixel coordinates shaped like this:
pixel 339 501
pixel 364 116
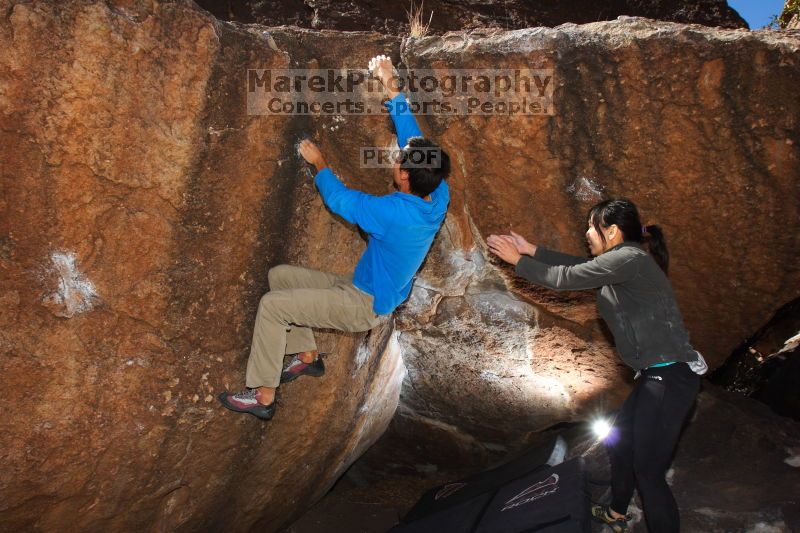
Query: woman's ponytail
pixel 657 245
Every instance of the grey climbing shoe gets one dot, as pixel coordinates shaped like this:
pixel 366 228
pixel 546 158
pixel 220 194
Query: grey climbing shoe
pixel 298 368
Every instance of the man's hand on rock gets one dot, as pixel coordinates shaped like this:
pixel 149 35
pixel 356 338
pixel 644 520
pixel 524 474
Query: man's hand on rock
pixel 311 153
pixel 381 67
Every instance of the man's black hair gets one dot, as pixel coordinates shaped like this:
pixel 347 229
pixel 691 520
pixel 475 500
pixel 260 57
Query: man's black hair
pixel 426 163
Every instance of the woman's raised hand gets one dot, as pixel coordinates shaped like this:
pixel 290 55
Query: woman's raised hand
pixel 523 246
pixel 503 246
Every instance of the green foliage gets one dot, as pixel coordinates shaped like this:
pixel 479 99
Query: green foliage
pixel 790 10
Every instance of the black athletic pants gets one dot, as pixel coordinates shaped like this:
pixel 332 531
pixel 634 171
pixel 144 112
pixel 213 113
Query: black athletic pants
pixel 647 429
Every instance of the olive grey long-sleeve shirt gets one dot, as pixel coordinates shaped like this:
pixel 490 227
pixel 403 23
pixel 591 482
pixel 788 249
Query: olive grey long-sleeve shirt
pixel 634 297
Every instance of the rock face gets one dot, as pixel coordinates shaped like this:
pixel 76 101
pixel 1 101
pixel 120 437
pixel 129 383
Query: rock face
pixel 670 116
pixel 142 207
pixel 767 366
pixel 448 15
pixel 141 210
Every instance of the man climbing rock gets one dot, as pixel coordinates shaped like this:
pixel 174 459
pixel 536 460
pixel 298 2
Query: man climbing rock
pixel 400 226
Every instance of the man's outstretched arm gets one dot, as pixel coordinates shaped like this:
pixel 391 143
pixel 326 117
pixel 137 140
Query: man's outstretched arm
pixel 371 213
pixel 398 106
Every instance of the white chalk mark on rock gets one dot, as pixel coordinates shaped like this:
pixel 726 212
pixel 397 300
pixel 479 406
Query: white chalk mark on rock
pixel 764 527
pixel 362 354
pixel 336 123
pixel 585 189
pixel 488 375
pixel 74 293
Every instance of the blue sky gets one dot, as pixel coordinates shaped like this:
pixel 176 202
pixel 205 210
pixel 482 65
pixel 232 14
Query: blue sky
pixel 757 13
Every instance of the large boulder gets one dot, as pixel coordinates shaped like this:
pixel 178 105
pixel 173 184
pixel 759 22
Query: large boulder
pixel 141 210
pixel 767 366
pixel 698 126
pixel 142 207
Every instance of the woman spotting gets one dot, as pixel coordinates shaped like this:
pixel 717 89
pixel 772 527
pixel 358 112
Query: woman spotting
pixel 636 300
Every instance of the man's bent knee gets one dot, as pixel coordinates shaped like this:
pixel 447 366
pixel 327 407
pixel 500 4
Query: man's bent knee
pixel 267 304
pixel 275 306
pixel 277 276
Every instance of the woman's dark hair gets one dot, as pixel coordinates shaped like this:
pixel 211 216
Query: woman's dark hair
pixel 624 214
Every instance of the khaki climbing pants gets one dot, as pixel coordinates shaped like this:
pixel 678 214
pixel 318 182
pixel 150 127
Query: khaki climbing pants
pixel 300 299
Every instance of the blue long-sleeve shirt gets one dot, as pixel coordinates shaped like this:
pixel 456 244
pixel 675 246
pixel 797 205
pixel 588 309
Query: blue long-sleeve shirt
pixel 400 227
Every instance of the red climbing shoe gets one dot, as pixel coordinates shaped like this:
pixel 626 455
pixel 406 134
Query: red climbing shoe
pixel 247 402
